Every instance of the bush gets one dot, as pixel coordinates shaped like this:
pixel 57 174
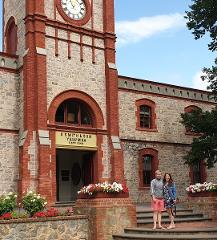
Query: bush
pixel 33 203
pixel 7 203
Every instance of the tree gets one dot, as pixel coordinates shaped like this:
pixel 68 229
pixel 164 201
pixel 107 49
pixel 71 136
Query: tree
pixel 202 20
pixel 203 147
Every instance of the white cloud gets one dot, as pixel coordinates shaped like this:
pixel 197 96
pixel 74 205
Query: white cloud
pixel 146 27
pixel 198 83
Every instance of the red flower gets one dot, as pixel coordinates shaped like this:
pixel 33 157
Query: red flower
pixel 52 212
pixel 6 216
pixel 69 211
pixel 39 215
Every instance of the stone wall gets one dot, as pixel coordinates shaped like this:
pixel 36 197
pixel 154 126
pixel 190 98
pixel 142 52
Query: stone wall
pixel 66 74
pixel 170 160
pixel 9 100
pixel 169 139
pixel 168 110
pixel 9 162
pixel 9 126
pixel 65 228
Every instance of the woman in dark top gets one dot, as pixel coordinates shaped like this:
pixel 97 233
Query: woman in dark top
pixel 169 193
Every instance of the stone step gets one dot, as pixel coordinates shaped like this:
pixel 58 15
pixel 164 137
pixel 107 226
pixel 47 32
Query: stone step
pixel 171 231
pixel 199 236
pixel 177 220
pixel 165 215
pixel 140 211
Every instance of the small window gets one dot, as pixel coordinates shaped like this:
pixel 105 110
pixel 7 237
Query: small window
pixel 147 169
pixel 60 114
pixel 74 113
pixel 198 172
pixel 11 37
pixel 145 117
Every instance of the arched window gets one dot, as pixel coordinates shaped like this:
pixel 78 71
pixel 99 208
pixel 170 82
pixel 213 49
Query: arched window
pixel 198 173
pixel 76 113
pixel 190 109
pixel 146 116
pixel 148 164
pixel 11 37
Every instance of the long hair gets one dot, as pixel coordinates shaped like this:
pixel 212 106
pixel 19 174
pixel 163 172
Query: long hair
pixel 170 181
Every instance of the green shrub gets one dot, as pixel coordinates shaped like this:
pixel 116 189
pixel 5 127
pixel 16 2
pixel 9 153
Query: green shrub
pixel 33 203
pixel 7 203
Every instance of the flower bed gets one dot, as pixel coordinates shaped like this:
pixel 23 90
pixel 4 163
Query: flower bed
pixel 202 188
pixel 104 190
pixel 33 205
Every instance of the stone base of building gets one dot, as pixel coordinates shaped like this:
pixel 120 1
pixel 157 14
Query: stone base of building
pixel 205 203
pixel 71 228
pixel 107 216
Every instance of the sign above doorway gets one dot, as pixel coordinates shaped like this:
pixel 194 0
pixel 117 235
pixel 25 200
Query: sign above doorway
pixel 71 140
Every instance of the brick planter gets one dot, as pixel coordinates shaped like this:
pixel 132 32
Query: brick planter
pixel 202 194
pixel 205 202
pixel 71 228
pixel 107 216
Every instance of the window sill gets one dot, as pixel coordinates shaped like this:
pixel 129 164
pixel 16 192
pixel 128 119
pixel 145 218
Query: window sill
pixel 147 129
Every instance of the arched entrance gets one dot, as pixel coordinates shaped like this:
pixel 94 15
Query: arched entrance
pixel 77 120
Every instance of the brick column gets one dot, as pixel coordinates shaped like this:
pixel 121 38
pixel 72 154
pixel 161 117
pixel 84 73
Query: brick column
pixel 112 93
pixel 35 163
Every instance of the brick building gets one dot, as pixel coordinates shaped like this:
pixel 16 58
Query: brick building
pixel 67 119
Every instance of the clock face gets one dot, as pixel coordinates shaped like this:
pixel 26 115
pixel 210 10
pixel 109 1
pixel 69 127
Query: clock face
pixel 75 9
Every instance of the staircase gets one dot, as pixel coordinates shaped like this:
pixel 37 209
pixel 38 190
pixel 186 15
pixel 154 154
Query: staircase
pixel 189 225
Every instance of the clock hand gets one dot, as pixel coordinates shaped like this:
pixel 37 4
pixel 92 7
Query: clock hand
pixel 73 2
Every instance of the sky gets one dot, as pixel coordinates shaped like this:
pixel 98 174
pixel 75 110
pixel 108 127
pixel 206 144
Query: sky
pixel 154 43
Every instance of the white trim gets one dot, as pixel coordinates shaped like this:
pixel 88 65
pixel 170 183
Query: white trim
pixel 41 51
pixel 112 66
pixel 23 138
pixel 26 52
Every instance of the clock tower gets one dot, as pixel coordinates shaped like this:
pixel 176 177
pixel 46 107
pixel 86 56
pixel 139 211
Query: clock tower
pixel 69 121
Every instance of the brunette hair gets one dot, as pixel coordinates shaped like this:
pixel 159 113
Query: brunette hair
pixel 171 179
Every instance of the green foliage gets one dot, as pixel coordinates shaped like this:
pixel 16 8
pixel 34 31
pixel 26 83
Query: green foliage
pixel 33 203
pixel 202 20
pixel 7 203
pixel 203 147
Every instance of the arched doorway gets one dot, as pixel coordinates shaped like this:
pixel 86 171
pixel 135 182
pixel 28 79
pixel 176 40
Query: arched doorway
pixel 75 151
pixel 77 120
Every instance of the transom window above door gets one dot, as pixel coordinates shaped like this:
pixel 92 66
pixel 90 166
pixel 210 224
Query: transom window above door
pixel 73 112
